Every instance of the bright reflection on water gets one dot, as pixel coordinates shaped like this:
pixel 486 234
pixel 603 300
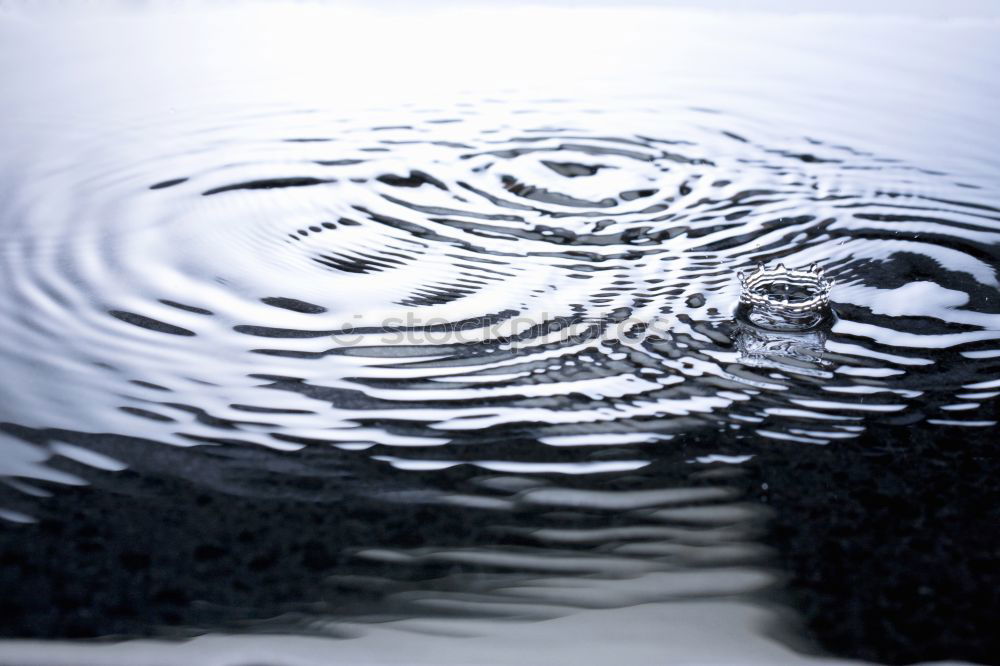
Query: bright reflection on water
pixel 492 279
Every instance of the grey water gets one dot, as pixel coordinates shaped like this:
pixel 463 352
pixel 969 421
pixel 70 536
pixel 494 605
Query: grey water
pixel 335 334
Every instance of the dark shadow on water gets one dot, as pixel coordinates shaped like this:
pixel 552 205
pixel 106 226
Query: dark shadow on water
pixel 887 558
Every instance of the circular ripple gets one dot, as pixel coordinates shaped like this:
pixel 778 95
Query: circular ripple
pixel 296 278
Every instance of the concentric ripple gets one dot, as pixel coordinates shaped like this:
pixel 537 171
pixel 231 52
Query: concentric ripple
pixel 298 278
pixel 502 313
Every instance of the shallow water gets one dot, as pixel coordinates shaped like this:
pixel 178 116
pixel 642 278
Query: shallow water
pixel 490 334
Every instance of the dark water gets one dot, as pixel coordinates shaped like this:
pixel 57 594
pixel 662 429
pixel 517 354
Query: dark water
pixel 465 379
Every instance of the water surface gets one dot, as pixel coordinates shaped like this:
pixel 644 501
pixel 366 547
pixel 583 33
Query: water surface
pixel 305 342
